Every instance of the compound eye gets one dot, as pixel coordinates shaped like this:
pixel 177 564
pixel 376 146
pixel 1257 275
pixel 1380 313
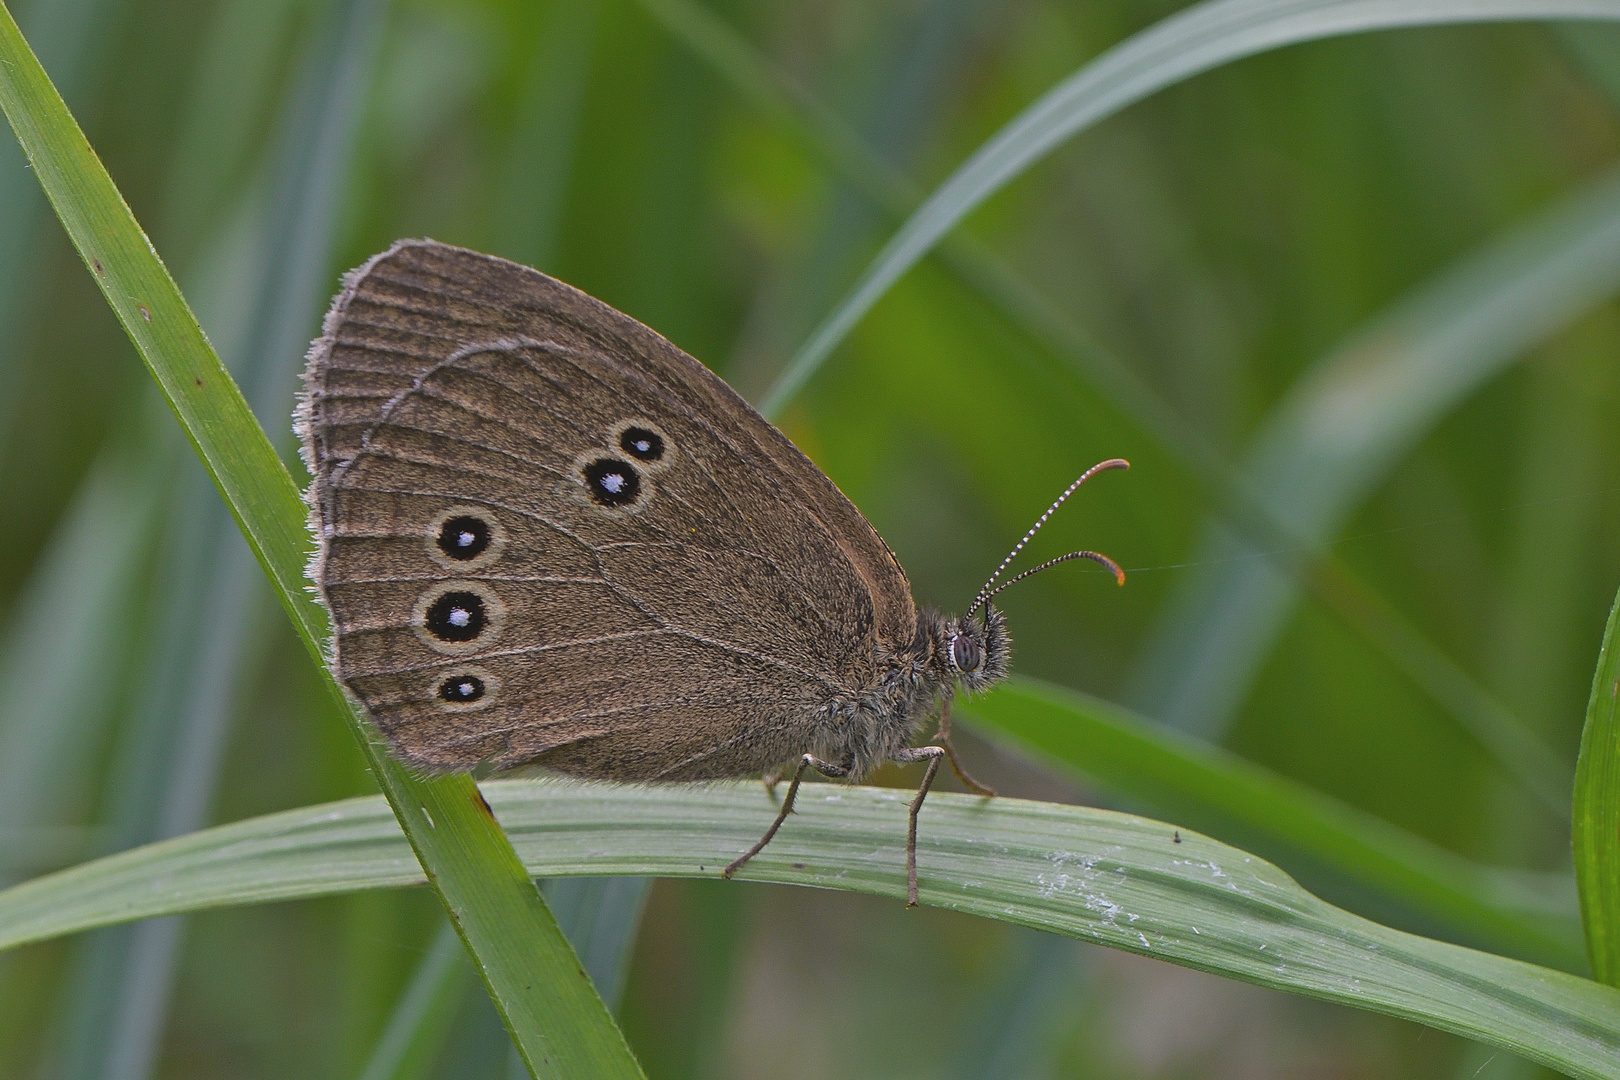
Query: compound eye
pixel 966 654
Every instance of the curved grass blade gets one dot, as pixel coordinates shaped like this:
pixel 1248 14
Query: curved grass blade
pixel 1520 913
pixel 751 76
pixel 556 1019
pixel 1189 42
pixel 1597 811
pixel 1102 877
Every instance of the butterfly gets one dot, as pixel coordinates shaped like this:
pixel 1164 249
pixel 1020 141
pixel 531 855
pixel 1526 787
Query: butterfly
pixel 547 536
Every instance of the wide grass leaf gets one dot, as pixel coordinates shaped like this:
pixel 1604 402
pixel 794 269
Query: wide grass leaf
pixel 1112 879
pixel 1525 914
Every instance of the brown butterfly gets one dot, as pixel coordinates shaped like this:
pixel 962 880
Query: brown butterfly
pixel 548 536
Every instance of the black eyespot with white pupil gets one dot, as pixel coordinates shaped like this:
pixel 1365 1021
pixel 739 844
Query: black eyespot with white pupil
pixel 457 616
pixel 966 654
pixel 464 538
pixel 641 444
pixel 613 482
pixel 462 689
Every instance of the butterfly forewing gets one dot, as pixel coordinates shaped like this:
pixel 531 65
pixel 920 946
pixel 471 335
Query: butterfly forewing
pixel 529 551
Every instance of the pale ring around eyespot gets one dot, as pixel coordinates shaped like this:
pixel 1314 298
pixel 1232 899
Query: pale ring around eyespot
pixel 492 543
pixel 466 679
pixel 452 608
pixel 643 442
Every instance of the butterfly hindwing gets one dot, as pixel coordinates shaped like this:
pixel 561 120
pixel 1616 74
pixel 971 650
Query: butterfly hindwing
pixel 546 533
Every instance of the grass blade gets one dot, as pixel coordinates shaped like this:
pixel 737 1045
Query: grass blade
pixel 1597 811
pixel 558 1023
pixel 1189 780
pixel 1106 878
pixel 1189 42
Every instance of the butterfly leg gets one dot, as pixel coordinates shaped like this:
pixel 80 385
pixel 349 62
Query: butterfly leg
pixel 825 768
pixel 931 754
pixel 943 739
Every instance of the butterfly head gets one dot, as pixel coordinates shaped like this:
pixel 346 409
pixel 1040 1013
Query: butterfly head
pixel 977 651
pixel 974 649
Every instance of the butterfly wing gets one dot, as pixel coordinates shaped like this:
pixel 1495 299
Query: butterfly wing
pixel 548 534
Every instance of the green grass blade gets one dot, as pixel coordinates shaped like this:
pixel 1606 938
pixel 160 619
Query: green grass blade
pixel 1597 811
pixel 1095 875
pixel 1181 777
pixel 1186 44
pixel 555 1017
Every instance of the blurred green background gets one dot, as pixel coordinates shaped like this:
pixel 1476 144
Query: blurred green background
pixel 1347 278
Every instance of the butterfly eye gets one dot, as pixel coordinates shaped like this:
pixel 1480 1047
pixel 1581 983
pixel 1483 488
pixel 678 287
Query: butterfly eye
pixel 642 444
pixel 612 482
pixel 966 656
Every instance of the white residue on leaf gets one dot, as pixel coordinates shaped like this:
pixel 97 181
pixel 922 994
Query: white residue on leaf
pixel 1078 875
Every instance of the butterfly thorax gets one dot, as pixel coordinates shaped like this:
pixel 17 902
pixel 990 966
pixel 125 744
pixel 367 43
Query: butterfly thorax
pixel 948 654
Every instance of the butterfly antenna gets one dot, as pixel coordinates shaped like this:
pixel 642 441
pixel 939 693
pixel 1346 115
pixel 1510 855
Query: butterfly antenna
pixel 990 589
